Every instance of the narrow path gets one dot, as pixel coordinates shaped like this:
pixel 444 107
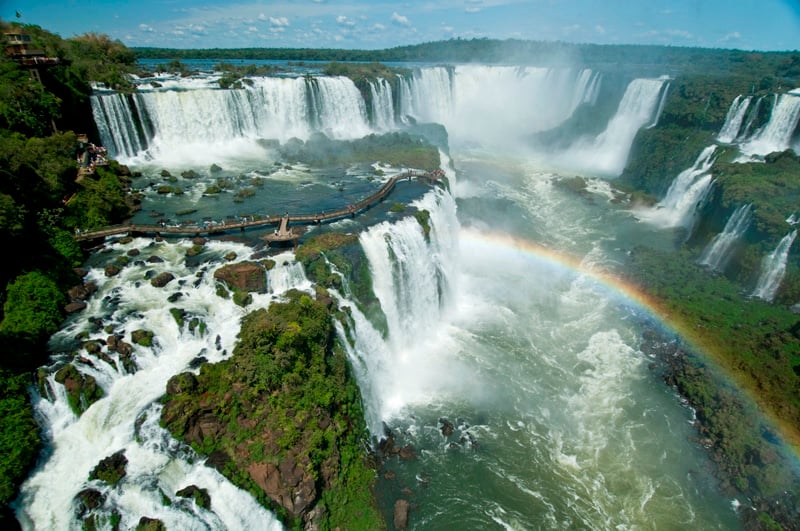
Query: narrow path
pixel 250 223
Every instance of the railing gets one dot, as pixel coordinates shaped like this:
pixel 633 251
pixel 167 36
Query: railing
pixel 349 211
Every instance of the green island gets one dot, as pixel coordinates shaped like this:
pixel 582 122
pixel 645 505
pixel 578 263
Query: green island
pixel 286 353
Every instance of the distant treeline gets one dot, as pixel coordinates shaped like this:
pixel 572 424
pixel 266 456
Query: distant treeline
pixel 504 51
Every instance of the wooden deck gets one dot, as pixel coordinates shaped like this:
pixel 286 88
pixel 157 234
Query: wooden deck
pixel 284 232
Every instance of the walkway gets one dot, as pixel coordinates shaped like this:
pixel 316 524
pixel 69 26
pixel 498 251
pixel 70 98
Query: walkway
pixel 252 222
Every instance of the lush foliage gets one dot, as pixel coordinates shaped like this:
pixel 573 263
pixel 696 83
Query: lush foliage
pixel 397 149
pixel 19 435
pixel 293 399
pixel 32 307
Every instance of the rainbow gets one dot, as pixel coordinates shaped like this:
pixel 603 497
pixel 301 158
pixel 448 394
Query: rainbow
pixel 651 306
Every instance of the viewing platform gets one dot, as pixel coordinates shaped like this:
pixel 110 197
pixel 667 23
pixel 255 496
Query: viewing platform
pixel 282 233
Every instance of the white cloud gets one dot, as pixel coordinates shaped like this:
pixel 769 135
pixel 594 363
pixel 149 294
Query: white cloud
pixel 262 16
pixel 145 27
pixel 278 21
pixel 734 36
pixel 378 27
pixel 472 9
pixel 277 29
pixel 448 29
pixel 400 19
pixel 344 21
pixel 600 29
pixel 252 29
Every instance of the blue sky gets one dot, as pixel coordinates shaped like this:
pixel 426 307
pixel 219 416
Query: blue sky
pixel 744 24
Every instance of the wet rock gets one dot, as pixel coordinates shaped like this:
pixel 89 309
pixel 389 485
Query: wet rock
pixel 400 519
pixel 200 496
pixel 407 453
pixel 289 484
pixel 74 307
pixel 112 270
pixel 181 383
pixel 162 279
pixel 150 524
pixel 446 427
pixel 111 469
pixel 155 259
pixel 175 297
pixel 82 389
pixel 244 276
pixel 142 337
pixel 133 252
pixel 88 500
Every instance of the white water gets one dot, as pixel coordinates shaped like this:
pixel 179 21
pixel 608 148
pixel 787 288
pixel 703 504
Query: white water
pixel 496 105
pixel 677 208
pixel 382 105
pixel 717 252
pixel 126 418
pixel 773 268
pixel 607 154
pixel 733 120
pixel 778 133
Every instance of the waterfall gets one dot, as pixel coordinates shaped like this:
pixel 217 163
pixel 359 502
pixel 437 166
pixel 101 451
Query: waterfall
pixel 661 104
pixel 496 105
pixel 733 120
pixel 677 208
pixel 199 117
pixel 607 153
pixel 778 133
pixel 127 416
pixel 718 251
pixel 773 268
pixel 382 104
pixel 412 278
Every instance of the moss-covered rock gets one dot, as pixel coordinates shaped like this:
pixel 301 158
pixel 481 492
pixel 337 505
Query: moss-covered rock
pixel 111 469
pixel 243 276
pixel 82 389
pixel 142 337
pixel 200 496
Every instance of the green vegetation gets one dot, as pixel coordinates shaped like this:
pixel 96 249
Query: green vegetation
pixel 285 396
pixel 396 149
pixel 19 434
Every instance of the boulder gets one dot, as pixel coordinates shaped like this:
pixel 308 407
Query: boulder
pixel 200 496
pixel 150 524
pixel 181 383
pixel 400 520
pixel 288 484
pixel 73 307
pixel 142 337
pixel 244 276
pixel 88 500
pixel 110 469
pixel 447 427
pixel 162 279
pixel 112 270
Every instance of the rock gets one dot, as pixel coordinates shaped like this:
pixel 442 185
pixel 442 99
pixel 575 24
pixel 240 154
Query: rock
pixel 289 484
pixel 189 174
pixel 81 292
pixel 134 252
pixel 181 383
pixel 82 389
pixel 200 496
pixel 112 270
pixel 447 427
pixel 88 500
pixel 73 307
pixel 215 169
pixel 244 276
pixel 150 524
pixel 110 469
pixel 199 240
pixel 155 259
pixel 142 337
pixel 407 453
pixel 162 279
pixel 400 520
pixel 175 297
pixel 166 173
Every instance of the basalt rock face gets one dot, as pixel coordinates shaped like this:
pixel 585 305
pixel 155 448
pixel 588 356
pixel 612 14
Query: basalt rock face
pixel 244 276
pixel 282 418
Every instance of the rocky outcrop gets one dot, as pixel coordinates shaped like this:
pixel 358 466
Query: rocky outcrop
pixel 289 484
pixel 110 469
pixel 82 389
pixel 400 519
pixel 162 279
pixel 244 276
pixel 200 496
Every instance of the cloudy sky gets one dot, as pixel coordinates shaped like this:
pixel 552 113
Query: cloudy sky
pixel 744 24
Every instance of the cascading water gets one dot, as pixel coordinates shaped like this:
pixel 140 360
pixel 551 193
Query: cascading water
pixel 773 269
pixel 127 416
pixel 188 118
pixel 734 119
pixel 661 104
pixel 778 133
pixel 607 154
pixel 718 251
pixel 496 105
pixel 677 208
pixel 382 104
